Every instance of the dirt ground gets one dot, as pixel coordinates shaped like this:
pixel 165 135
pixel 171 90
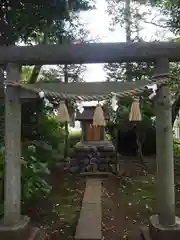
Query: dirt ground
pixel 126 207
pixel 57 215
pixel 127 203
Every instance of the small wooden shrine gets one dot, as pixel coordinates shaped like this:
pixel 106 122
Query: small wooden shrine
pixel 93 153
pixel 90 132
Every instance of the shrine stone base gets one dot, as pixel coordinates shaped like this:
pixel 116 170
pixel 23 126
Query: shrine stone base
pixel 157 232
pixel 93 156
pixel 21 231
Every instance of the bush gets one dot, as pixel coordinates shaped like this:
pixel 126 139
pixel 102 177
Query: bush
pixel 123 132
pixel 51 142
pixel 124 137
pixel 51 130
pixel 34 173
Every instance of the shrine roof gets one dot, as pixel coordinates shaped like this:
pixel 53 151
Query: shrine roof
pixel 88 112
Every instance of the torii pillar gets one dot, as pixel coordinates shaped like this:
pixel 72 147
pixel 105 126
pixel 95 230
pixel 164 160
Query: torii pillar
pixel 14 225
pixel 165 225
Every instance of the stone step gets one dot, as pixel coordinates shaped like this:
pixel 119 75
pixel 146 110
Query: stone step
pixel 89 224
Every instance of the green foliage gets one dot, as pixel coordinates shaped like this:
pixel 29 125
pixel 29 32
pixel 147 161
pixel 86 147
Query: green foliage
pixel 36 159
pixel 130 17
pixel 51 130
pixel 40 125
pixel 136 72
pixel 23 19
pixel 121 13
pixel 176 148
pixel 29 118
pixel 26 72
pixel 75 73
pixel 119 123
pixel 174 83
pixel 50 75
pixel 74 137
pixel 171 12
pixel 33 175
pixel 124 105
pixel 108 137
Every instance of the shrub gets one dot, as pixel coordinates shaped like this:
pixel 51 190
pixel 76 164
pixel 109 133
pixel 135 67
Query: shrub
pixel 34 173
pixel 51 130
pixel 124 137
pixel 51 142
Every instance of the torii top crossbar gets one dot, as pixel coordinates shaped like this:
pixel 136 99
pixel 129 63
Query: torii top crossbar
pixel 89 53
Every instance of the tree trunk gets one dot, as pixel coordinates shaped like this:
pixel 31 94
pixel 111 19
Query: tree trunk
pixel 127 19
pixel 36 70
pixel 35 73
pixel 139 149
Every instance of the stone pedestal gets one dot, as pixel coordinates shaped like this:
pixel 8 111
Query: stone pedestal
pixel 93 156
pixel 22 230
pixel 155 231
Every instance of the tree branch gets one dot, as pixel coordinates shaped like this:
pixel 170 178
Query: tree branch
pixel 157 25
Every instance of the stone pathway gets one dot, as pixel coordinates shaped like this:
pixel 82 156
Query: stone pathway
pixel 89 224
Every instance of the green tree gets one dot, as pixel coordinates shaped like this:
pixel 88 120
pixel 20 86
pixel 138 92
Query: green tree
pixel 170 14
pixel 21 19
pixel 41 21
pixel 75 73
pixel 72 31
pixel 170 21
pixel 127 15
pixel 167 17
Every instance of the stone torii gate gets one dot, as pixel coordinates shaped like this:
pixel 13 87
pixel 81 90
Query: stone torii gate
pixel 164 225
